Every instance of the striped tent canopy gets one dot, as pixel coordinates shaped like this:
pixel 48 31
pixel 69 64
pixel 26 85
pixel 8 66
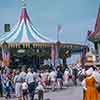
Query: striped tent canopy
pixel 24 32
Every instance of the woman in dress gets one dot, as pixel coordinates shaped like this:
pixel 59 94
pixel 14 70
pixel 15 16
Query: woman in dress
pixel 96 74
pixel 89 85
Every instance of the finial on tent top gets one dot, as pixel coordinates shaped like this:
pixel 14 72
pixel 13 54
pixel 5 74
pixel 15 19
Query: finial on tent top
pixel 24 3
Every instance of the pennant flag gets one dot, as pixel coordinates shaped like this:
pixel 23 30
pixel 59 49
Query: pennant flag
pixel 58 31
pixel 54 55
pixel 59 27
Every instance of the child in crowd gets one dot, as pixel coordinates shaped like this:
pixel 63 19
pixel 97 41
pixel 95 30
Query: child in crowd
pixel 25 90
pixel 40 88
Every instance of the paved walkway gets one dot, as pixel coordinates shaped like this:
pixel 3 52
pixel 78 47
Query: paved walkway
pixel 71 93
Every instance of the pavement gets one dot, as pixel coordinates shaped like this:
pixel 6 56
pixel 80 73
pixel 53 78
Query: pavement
pixel 69 93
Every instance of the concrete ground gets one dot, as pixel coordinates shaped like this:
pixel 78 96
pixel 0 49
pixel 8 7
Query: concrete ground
pixel 70 93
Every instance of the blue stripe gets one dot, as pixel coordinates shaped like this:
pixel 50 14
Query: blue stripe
pixel 30 37
pixel 7 37
pixel 20 34
pixel 9 33
pixel 2 34
pixel 38 34
pixel 6 33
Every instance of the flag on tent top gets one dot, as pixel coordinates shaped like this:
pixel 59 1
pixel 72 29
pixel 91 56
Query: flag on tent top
pixel 59 27
pixel 54 55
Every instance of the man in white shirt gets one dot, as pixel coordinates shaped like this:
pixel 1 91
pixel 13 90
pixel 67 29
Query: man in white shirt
pixel 31 83
pixel 23 74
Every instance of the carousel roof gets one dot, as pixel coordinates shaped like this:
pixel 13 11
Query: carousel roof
pixel 23 31
pixel 95 36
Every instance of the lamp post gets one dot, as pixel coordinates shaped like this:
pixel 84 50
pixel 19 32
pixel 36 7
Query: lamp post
pixel 59 27
pixel 58 51
pixel 58 31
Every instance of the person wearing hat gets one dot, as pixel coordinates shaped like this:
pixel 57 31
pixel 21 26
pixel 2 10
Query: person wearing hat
pixel 90 59
pixel 89 86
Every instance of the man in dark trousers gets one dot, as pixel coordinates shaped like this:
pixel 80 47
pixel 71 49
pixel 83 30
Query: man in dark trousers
pixel 31 83
pixel 75 72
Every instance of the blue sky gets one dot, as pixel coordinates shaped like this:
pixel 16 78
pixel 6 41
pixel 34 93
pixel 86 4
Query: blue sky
pixel 75 16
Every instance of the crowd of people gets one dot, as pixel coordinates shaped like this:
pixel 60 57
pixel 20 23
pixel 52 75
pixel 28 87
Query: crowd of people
pixel 26 83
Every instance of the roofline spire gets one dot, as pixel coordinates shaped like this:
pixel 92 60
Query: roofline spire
pixel 23 3
pixel 97 25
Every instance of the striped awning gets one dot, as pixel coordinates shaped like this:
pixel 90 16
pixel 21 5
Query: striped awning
pixel 23 32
